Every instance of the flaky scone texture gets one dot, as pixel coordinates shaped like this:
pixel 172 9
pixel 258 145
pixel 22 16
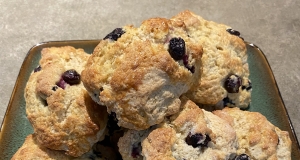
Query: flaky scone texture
pixel 169 139
pixel 64 117
pixel 224 54
pixel 32 150
pixel 136 77
pixel 257 137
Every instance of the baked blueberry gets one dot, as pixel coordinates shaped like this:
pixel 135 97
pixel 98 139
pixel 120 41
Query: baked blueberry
pixel 54 88
pixel 233 32
pixel 37 69
pixel 177 48
pixel 61 83
pixel 136 150
pixel 242 157
pixel 115 34
pixel 185 60
pixel 197 140
pixel 233 83
pixel 186 64
pixel 247 87
pixel 71 77
pixel 227 101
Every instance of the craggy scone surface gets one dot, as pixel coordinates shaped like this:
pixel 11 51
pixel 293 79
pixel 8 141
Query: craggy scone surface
pixel 132 72
pixel 257 137
pixel 63 115
pixel 224 54
pixel 192 134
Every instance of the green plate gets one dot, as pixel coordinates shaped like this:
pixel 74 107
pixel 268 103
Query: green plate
pixel 266 97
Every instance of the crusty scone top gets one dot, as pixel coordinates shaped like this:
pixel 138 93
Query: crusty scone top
pixel 64 116
pixel 120 67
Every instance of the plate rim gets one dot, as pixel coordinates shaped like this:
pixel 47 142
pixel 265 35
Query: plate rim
pixel 279 93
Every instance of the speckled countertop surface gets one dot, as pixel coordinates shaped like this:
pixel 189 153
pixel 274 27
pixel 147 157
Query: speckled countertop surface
pixel 272 25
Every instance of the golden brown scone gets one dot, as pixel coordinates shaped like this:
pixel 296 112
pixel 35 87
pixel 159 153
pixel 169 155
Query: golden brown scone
pixel 139 73
pixel 191 134
pixel 257 137
pixel 62 113
pixel 225 74
pixel 32 150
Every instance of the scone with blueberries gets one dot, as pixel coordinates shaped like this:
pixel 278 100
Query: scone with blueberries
pixel 257 137
pixel 31 149
pixel 139 73
pixel 225 74
pixel 63 115
pixel 193 133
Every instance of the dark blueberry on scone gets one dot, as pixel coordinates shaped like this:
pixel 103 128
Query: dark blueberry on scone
pixel 233 32
pixel 233 83
pixel 227 102
pixel 71 77
pixel 61 83
pixel 193 133
pixel 248 86
pixel 63 115
pixel 242 157
pixel 257 138
pixel 141 75
pixel 37 69
pixel 177 48
pixel 54 88
pixel 197 140
pixel 115 34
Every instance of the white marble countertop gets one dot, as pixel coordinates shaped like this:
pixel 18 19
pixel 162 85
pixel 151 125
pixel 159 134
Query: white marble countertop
pixel 272 25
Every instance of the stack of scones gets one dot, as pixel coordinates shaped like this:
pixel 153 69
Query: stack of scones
pixel 171 89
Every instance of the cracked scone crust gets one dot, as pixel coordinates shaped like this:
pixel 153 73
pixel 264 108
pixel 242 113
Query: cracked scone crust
pixel 224 54
pixel 257 137
pixel 32 150
pixel 172 139
pixel 136 77
pixel 63 119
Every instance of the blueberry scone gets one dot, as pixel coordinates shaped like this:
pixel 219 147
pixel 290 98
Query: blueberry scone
pixel 62 113
pixel 257 137
pixel 193 133
pixel 139 73
pixel 32 150
pixel 225 74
